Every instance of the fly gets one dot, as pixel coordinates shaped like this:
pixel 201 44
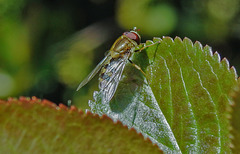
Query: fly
pixel 113 64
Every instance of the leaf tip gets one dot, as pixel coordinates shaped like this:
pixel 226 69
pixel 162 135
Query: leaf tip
pixel 208 50
pixel 178 38
pixel 157 39
pixel 198 45
pixel 73 108
pixel 187 41
pixel 104 116
pixel 233 71
pixel 149 42
pixel 63 107
pixel 24 99
pixel 225 62
pixel 11 99
pixel 168 38
pixel 217 56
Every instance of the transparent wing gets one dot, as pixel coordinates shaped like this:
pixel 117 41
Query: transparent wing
pixel 94 71
pixel 109 84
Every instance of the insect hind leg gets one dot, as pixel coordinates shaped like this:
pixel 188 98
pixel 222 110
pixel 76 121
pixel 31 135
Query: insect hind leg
pixel 137 67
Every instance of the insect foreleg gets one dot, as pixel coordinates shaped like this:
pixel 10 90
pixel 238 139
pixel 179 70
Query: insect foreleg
pixel 148 43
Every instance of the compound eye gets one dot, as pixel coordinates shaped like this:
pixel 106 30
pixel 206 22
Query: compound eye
pixel 133 36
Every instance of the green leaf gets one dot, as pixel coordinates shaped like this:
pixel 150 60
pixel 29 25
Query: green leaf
pixel 35 126
pixel 184 105
pixel 235 130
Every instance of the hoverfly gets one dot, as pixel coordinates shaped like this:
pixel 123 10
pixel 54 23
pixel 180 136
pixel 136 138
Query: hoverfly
pixel 113 64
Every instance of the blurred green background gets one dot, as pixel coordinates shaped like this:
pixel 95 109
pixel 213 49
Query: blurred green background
pixel 48 47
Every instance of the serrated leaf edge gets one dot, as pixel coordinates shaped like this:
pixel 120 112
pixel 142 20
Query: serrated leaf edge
pixel 47 103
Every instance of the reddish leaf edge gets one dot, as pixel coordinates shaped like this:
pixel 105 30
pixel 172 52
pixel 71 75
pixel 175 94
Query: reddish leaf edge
pixel 46 103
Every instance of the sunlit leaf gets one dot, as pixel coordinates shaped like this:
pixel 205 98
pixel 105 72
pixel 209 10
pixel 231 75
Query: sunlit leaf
pixel 184 105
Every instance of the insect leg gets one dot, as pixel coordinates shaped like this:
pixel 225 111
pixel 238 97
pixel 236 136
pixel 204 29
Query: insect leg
pixel 142 46
pixel 137 67
pixel 146 46
pixel 149 43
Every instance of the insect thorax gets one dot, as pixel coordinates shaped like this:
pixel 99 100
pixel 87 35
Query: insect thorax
pixel 121 45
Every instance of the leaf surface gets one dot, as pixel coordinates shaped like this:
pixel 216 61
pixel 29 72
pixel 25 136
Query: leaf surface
pixel 235 129
pixel 35 126
pixel 184 104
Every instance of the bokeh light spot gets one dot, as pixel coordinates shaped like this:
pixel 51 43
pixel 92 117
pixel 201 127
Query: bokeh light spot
pixel 152 19
pixel 223 10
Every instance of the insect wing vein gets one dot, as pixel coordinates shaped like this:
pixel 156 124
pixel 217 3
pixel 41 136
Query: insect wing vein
pixel 94 71
pixel 109 87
